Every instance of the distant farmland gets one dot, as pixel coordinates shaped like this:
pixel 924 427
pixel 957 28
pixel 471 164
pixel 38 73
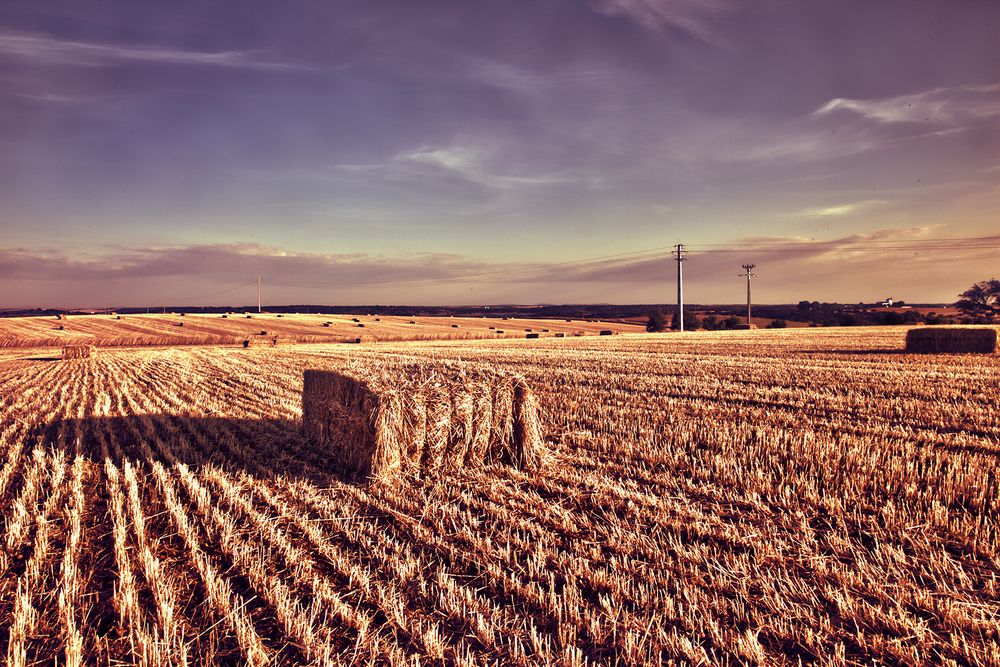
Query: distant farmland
pixel 233 329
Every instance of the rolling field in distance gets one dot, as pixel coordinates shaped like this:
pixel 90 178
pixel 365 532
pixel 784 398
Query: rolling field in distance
pixel 807 496
pixel 207 329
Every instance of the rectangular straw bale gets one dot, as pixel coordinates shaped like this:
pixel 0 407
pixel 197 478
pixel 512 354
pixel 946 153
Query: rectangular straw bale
pixel 380 421
pixel 932 340
pixel 78 352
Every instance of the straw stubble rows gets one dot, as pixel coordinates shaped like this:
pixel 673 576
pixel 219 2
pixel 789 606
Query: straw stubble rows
pixel 712 499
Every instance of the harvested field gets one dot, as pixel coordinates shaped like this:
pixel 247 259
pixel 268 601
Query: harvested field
pixel 211 329
pixel 768 497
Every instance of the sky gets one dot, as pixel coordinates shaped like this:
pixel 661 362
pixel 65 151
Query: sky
pixel 474 152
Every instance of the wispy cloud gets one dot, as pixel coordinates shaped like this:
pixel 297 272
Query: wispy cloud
pixel 52 50
pixel 693 17
pixel 839 210
pixel 472 165
pixel 944 106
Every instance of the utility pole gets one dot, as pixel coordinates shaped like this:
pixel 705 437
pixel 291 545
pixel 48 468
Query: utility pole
pixel 680 254
pixel 748 275
pixel 258 293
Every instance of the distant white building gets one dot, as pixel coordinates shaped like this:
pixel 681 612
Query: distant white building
pixel 888 302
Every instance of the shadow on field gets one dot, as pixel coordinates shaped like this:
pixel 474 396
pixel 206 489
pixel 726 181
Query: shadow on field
pixel 262 448
pixel 856 352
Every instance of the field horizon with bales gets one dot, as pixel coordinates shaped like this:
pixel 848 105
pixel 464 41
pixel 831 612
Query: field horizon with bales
pixel 168 329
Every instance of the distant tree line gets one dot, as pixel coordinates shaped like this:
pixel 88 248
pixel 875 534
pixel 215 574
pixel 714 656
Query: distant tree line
pixel 693 321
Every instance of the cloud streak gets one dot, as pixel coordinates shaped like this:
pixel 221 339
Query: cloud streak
pixel 693 17
pixel 46 49
pixel 943 106
pixel 231 262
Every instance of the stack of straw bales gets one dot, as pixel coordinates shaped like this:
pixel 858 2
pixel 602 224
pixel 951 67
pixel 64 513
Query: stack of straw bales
pixel 385 421
pixel 933 340
pixel 78 352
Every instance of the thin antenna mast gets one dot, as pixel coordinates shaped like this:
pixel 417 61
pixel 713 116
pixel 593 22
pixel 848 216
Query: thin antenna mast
pixel 258 293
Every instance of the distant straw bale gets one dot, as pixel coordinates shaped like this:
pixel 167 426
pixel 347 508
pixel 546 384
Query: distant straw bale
pixel 935 340
pixel 78 352
pixel 410 419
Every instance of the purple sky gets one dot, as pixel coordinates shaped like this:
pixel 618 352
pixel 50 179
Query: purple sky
pixel 475 152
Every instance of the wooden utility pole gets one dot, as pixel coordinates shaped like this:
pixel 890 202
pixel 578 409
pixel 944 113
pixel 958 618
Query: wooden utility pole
pixel 748 275
pixel 679 254
pixel 258 293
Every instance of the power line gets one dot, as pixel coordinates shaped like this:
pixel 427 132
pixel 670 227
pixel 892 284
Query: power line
pixel 219 293
pixel 520 272
pixel 963 239
pixel 877 249
pixel 539 271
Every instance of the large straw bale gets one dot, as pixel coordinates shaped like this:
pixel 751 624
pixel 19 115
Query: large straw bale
pixel 78 352
pixel 379 422
pixel 934 340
